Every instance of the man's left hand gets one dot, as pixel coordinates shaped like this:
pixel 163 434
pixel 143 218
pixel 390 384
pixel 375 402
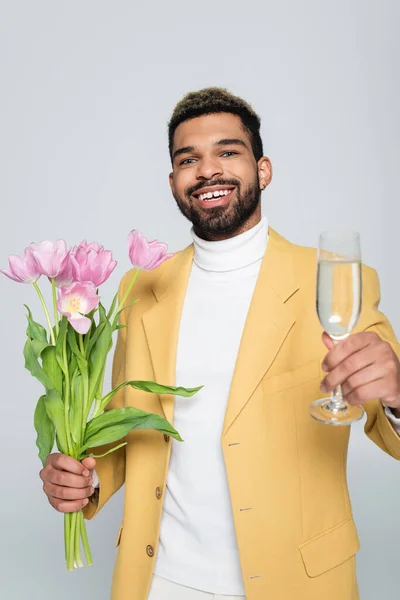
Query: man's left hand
pixel 366 367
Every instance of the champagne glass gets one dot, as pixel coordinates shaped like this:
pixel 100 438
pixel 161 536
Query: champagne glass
pixel 339 296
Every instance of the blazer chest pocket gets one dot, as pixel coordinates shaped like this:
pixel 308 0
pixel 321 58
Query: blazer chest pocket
pixel 330 549
pixel 289 379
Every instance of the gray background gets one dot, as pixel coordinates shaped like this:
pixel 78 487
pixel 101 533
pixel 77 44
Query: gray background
pixel 87 89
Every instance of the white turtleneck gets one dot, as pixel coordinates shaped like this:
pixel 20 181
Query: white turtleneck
pixel 197 544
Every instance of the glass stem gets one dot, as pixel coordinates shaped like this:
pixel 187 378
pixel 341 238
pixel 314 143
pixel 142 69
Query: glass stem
pixel 337 402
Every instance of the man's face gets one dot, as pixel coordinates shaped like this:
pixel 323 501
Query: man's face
pixel 216 179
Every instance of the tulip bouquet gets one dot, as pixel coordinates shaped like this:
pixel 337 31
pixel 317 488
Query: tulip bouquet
pixel 68 357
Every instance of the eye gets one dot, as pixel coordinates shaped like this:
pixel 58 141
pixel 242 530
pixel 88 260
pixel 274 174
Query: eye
pixel 187 161
pixel 230 153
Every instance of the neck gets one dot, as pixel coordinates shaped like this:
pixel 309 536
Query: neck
pixel 231 254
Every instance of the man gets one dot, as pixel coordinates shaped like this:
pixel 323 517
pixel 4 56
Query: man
pixel 254 503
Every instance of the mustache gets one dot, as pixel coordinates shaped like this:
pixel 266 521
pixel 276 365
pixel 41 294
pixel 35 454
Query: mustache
pixel 203 184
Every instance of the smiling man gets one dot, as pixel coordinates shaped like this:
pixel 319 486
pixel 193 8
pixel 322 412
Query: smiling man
pixel 254 503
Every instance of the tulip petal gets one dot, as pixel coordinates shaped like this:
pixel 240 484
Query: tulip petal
pixel 80 323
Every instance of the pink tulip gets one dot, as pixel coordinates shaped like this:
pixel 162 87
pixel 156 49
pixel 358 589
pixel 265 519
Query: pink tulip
pixel 50 257
pixel 22 269
pixel 146 255
pixel 90 262
pixel 78 300
pixel 65 276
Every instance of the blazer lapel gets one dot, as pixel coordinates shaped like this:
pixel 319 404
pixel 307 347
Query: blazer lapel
pixel 268 322
pixel 162 322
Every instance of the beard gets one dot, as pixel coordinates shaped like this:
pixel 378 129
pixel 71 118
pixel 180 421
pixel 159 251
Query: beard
pixel 220 220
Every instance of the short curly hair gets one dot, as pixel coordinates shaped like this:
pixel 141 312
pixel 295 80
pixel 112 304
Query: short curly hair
pixel 213 100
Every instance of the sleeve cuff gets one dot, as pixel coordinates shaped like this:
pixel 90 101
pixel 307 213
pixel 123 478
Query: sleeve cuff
pixel 393 420
pixel 96 477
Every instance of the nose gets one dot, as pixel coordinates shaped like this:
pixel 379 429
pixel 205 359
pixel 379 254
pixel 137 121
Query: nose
pixel 209 168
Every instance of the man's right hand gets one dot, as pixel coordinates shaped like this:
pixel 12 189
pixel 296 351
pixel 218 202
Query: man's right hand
pixel 68 483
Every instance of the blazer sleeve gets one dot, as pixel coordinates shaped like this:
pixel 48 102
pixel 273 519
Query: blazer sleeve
pixel 110 469
pixel 378 427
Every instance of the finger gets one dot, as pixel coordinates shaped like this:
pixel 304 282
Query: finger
pixel 366 393
pixel 65 479
pixel 89 463
pixel 68 506
pixel 348 367
pixel 363 377
pixel 345 348
pixel 327 340
pixel 62 462
pixel 65 493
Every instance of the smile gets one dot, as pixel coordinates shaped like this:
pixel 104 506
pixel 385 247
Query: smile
pixel 214 196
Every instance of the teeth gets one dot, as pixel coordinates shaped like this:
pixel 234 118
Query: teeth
pixel 211 195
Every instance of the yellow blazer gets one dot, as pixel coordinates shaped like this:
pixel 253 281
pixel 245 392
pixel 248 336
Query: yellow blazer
pixel 298 541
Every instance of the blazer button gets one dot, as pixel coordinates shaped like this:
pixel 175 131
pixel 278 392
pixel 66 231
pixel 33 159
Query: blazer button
pixel 150 550
pixel 166 437
pixel 158 493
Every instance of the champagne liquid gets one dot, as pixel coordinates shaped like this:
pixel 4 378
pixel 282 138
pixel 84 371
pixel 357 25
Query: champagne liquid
pixel 339 296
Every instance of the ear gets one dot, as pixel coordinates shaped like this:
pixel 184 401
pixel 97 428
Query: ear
pixel 171 183
pixel 264 172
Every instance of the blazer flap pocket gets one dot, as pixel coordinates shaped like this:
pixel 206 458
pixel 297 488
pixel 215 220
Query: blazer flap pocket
pixel 288 379
pixel 330 549
pixel 118 540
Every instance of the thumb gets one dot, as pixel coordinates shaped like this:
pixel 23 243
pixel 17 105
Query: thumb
pixel 89 463
pixel 327 341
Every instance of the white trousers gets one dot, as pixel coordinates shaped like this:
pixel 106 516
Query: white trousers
pixel 162 589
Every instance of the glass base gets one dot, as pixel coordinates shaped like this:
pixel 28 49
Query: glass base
pixel 322 411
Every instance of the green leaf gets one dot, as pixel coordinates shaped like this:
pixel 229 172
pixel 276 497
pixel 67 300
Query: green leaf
pixel 116 423
pixel 76 407
pixel 33 366
pixel 84 455
pixel 37 334
pixel 102 313
pixel 157 388
pixel 94 337
pixel 117 314
pixel 152 387
pixel 98 358
pixel 73 344
pixel 112 307
pixel 38 347
pixel 36 331
pixel 55 410
pixel 44 429
pixel 60 341
pixel 52 368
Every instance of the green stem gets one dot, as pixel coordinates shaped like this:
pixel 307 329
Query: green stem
pixel 46 312
pixel 85 541
pixel 67 391
pixel 78 558
pixel 71 549
pixel 81 344
pixel 85 380
pixel 56 316
pixel 128 291
pixel 66 535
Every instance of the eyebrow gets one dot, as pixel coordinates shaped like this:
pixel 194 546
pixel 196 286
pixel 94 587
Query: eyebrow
pixel 223 142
